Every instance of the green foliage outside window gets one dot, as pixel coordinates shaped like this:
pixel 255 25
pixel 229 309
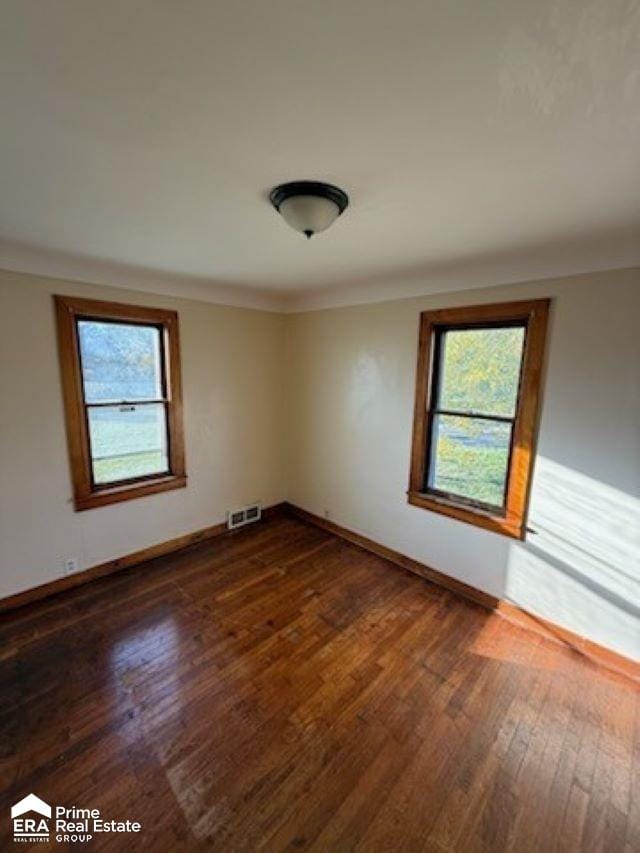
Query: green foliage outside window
pixel 480 374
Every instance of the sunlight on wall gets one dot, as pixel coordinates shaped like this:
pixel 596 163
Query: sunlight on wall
pixel 586 544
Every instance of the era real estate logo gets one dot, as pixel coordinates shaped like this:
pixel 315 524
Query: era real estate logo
pixel 31 829
pixel 36 822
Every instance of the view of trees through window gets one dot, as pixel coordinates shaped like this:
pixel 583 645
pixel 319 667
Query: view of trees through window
pixel 123 391
pixel 473 419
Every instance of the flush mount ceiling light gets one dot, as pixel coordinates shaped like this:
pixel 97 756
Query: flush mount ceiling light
pixel 309 206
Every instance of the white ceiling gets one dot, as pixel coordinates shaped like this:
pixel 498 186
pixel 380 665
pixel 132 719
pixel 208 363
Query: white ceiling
pixel 479 141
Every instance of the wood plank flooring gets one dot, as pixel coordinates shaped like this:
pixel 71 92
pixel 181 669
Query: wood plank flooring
pixel 281 689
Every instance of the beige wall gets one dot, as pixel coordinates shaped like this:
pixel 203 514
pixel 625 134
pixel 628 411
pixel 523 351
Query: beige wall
pixel 232 375
pixel 351 384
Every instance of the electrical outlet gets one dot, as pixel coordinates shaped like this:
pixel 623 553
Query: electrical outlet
pixel 327 514
pixel 70 566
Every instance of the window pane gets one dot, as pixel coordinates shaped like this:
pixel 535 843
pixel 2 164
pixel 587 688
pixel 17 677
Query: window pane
pixel 128 441
pixel 481 370
pixel 470 458
pixel 120 361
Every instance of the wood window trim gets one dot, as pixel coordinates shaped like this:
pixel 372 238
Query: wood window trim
pixel 534 314
pixel 86 495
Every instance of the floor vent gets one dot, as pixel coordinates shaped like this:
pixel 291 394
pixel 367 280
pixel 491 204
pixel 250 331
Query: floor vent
pixel 246 515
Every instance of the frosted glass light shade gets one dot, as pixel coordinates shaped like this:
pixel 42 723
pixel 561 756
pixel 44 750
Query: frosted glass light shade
pixel 309 206
pixel 309 214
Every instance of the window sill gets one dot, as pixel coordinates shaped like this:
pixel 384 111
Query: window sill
pixel 129 491
pixel 506 525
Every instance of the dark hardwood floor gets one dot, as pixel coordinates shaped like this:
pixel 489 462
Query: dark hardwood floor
pixel 280 689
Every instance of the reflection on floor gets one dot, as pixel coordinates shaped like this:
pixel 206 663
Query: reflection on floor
pixel 281 688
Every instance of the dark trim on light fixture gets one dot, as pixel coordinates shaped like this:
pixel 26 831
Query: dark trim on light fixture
pixel 314 190
pixel 284 191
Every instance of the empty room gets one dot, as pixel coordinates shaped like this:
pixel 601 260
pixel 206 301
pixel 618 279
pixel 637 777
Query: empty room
pixel 320 425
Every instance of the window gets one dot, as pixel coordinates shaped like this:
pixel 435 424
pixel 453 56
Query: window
pixel 477 397
pixel 123 401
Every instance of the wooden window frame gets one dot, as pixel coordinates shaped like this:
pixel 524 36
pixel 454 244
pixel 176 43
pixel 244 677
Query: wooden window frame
pixel 86 493
pixel 533 315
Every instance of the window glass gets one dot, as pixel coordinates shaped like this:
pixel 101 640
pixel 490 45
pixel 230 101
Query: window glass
pixel 127 441
pixel 481 370
pixel 120 361
pixel 479 374
pixel 470 458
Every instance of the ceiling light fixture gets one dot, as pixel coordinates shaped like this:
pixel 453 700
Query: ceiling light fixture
pixel 309 206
